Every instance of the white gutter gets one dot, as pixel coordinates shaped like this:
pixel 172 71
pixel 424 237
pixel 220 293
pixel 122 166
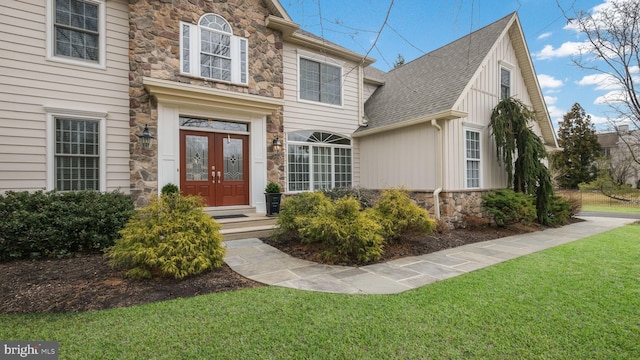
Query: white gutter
pixel 443 115
pixel 438 190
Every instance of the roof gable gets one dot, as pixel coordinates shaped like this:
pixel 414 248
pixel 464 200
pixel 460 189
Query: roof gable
pixel 436 82
pixel 432 83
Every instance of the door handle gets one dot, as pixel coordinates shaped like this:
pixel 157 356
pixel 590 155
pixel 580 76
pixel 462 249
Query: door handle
pixel 213 177
pixel 219 177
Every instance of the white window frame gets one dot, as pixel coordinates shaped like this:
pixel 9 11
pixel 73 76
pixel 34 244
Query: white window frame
pixel 52 114
pixel 509 68
pixel 238 59
pixel 322 60
pixel 102 38
pixel 332 165
pixel 467 159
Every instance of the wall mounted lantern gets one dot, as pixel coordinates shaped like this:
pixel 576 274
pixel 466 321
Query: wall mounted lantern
pixel 145 139
pixel 276 145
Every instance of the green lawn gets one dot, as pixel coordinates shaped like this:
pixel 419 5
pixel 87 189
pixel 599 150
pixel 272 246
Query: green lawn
pixel 577 301
pixel 612 209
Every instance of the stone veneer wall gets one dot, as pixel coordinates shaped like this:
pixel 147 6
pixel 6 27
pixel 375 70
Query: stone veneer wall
pixel 154 51
pixel 456 208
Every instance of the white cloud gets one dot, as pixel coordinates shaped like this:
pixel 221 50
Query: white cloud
pixel 550 100
pixel 612 97
pixel 598 119
pixel 569 48
pixel 544 35
pixel 601 81
pixel 549 82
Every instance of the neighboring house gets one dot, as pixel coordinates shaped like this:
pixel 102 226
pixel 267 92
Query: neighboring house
pixel 222 85
pixel 622 167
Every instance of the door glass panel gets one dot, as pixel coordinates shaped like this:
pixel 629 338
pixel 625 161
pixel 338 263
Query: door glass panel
pixel 232 152
pixel 197 158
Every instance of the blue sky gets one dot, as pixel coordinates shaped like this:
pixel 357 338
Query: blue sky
pixel 416 27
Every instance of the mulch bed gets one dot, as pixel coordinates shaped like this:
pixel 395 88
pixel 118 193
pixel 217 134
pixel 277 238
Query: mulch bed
pixel 86 282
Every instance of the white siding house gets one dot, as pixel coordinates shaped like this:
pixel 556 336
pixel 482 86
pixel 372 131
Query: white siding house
pixel 427 127
pixel 81 79
pixel 43 88
pixel 324 92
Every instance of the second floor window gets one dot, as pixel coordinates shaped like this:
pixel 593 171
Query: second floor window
pixel 505 83
pixel 210 50
pixel 320 82
pixel 76 30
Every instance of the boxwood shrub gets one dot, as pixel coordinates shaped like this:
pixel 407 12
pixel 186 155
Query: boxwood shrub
pixel 41 224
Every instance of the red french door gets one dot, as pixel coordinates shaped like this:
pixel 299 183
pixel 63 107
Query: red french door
pixel 215 166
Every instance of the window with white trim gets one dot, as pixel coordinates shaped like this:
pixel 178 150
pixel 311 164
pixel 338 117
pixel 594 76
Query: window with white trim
pixel 76 31
pixel 210 50
pixel 472 158
pixel 320 82
pixel 318 160
pixel 505 83
pixel 77 154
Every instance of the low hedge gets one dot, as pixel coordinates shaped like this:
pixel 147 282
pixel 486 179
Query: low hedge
pixel 42 224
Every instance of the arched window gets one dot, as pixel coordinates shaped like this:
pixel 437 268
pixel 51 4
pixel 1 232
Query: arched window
pixel 318 160
pixel 210 50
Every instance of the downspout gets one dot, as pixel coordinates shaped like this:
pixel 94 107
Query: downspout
pixel 438 190
pixel 361 119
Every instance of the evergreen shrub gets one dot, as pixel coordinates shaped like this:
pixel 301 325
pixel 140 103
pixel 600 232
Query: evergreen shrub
pixel 171 237
pixel 42 224
pixel 297 211
pixel 561 210
pixel 398 215
pixel 348 233
pixel 169 189
pixel 507 207
pixel 366 197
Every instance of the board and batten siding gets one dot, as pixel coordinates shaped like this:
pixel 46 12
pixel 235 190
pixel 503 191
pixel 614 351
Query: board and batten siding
pixel 404 157
pixel 306 115
pixel 478 102
pixel 29 83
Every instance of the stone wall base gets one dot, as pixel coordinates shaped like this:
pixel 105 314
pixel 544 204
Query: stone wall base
pixel 458 209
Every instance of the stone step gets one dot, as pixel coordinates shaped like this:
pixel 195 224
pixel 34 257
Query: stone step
pixel 246 226
pixel 230 210
pixel 246 221
pixel 247 232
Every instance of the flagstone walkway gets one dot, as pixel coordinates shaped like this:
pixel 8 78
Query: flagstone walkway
pixel 255 260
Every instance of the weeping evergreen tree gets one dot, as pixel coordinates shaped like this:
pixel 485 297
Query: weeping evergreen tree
pixel 514 139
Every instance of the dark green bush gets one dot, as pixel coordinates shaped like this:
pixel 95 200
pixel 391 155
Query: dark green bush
pixel 348 233
pixel 169 189
pixel 273 188
pixel 509 207
pixel 561 210
pixel 172 237
pixel 398 215
pixel 296 212
pixel 366 197
pixel 56 224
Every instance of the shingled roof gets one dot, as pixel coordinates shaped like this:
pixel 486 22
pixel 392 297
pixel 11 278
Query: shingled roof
pixel 432 83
